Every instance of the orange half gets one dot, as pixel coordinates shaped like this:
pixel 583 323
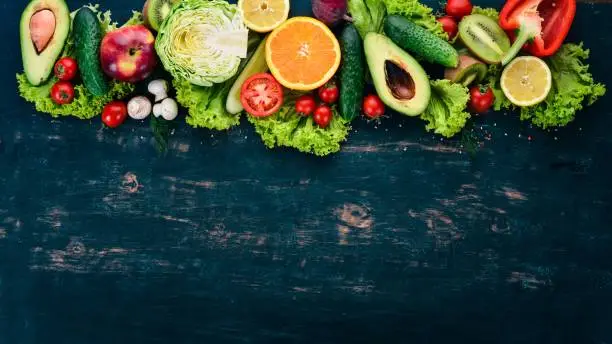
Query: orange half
pixel 302 54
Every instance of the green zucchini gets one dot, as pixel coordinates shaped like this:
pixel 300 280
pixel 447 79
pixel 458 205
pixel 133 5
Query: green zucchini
pixel 352 73
pixel 87 38
pixel 411 37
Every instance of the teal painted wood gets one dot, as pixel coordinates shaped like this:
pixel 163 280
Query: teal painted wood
pixel 399 238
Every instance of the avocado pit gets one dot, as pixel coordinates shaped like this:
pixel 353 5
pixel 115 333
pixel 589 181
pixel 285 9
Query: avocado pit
pixel 399 81
pixel 42 28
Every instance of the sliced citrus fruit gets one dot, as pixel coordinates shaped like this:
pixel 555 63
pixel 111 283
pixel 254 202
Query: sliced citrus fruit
pixel 264 15
pixel 526 81
pixel 302 53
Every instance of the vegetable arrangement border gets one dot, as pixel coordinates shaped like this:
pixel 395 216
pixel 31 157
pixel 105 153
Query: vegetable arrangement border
pixel 222 61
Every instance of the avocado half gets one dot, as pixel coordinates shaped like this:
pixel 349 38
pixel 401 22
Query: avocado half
pixel 44 28
pixel 400 81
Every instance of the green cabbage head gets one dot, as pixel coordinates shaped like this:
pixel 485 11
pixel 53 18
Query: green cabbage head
pixel 202 41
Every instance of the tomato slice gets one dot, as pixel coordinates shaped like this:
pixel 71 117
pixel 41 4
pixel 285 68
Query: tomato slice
pixel 261 95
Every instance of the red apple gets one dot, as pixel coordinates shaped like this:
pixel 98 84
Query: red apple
pixel 128 54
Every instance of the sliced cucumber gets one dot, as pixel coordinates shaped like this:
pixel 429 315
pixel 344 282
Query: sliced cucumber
pixel 257 64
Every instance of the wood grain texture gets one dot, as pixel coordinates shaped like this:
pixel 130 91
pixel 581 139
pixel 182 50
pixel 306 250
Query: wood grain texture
pixel 400 238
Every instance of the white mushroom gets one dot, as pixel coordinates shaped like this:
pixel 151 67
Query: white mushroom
pixel 139 107
pixel 167 109
pixel 159 88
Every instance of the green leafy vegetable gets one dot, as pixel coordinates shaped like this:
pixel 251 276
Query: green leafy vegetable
pixel 368 15
pixel 573 86
pixel 203 41
pixel 85 105
pixel 289 129
pixel 418 13
pixel 489 12
pixel 445 113
pixel 493 79
pixel 161 132
pixel 206 104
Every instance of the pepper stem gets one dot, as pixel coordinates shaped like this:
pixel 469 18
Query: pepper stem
pixel 524 35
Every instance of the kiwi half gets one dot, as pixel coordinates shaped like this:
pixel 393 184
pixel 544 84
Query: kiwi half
pixel 484 37
pixel 470 70
pixel 155 11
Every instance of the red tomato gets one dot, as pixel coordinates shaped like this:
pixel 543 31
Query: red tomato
pixel 62 92
pixel 329 93
pixel 114 114
pixel 449 25
pixel 458 8
pixel 481 99
pixel 305 105
pixel 323 116
pixel 261 95
pixel 373 107
pixel 65 68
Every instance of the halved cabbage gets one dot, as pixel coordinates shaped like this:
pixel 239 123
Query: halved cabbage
pixel 202 41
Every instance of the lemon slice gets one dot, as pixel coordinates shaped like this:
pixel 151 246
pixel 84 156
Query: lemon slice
pixel 264 15
pixel 526 81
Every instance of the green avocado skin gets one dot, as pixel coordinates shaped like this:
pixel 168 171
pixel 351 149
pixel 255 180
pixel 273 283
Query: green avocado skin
pixel 38 66
pixel 352 73
pixel 87 38
pixel 381 53
pixel 411 37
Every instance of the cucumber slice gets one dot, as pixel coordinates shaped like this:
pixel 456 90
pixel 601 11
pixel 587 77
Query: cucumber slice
pixel 257 64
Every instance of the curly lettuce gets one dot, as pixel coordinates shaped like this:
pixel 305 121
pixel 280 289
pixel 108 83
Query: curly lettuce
pixel 573 87
pixel 206 105
pixel 489 12
pixel 446 113
pixel 203 41
pixel 493 79
pixel 289 129
pixel 85 105
pixel 418 13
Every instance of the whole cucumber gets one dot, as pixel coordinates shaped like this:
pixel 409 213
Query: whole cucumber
pixel 352 73
pixel 413 38
pixel 87 38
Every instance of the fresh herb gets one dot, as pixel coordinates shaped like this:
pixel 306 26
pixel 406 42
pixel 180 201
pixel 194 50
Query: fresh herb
pixel 161 132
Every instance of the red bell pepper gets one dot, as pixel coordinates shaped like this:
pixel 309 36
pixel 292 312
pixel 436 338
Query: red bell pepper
pixel 542 23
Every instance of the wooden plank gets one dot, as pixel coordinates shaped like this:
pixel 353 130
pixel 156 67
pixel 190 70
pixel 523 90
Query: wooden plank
pixel 400 238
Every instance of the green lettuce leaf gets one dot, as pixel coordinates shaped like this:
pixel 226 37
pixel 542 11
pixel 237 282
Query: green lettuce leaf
pixel 573 87
pixel 368 15
pixel 493 79
pixel 418 13
pixel 489 12
pixel 206 105
pixel 289 129
pixel 85 105
pixel 446 113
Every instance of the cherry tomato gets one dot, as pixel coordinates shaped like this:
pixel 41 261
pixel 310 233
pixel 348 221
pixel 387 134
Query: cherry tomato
pixel 373 107
pixel 458 8
pixel 261 95
pixel 449 25
pixel 305 105
pixel 62 92
pixel 481 99
pixel 329 93
pixel 66 68
pixel 323 116
pixel 114 114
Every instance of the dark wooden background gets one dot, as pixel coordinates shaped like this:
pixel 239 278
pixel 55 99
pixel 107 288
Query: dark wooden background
pixel 400 238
